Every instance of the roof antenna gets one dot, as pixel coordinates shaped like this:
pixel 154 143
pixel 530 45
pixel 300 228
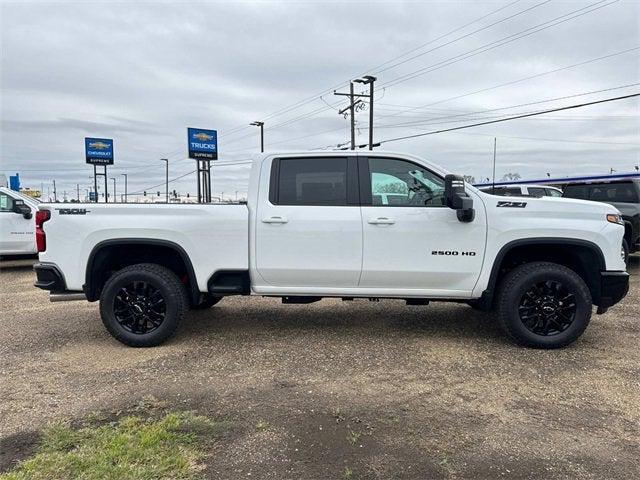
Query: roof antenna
pixel 493 185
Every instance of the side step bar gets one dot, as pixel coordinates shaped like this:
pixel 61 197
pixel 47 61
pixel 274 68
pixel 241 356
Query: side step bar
pixel 67 296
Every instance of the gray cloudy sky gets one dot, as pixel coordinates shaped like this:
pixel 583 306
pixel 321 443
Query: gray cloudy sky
pixel 141 72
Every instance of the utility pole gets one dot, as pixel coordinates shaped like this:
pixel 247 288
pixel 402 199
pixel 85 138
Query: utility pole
pixel 166 179
pixel 115 198
pixel 55 192
pixel 78 192
pixel 125 186
pixel 352 111
pixel 369 80
pixel 261 125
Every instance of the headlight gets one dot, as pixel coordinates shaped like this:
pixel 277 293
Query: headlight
pixel 615 218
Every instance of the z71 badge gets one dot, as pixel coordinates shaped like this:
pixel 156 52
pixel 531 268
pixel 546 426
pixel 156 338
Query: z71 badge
pixel 512 204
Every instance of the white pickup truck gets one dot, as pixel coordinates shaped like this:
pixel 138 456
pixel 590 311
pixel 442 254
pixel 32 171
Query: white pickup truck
pixel 340 224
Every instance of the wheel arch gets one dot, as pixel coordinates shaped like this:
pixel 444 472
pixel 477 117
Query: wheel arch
pixel 103 254
pixel 582 256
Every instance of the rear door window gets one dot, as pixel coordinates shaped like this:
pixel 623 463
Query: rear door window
pixel 311 181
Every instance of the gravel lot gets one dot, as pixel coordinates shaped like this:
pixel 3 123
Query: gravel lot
pixel 338 389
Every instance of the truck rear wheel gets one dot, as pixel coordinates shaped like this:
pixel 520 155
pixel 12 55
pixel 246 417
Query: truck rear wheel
pixel 544 305
pixel 142 305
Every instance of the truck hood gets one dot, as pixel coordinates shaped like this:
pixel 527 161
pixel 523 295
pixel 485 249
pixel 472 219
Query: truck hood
pixel 577 205
pixel 547 208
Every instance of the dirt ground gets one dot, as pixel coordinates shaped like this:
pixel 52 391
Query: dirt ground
pixel 338 389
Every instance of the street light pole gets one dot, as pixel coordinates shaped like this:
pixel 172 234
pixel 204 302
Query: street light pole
pixel 115 198
pixel 125 186
pixel 166 179
pixel 261 125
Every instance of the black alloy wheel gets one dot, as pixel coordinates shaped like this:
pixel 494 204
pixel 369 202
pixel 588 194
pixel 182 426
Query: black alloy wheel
pixel 543 305
pixel 139 307
pixel 142 305
pixel 547 308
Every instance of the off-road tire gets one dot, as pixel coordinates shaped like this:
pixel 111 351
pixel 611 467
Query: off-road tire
pixel 166 282
pixel 519 281
pixel 207 301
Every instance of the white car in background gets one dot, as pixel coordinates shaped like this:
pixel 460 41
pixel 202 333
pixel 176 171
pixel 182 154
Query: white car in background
pixel 537 191
pixel 17 223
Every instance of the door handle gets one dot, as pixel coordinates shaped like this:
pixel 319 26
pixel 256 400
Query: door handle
pixel 381 221
pixel 275 219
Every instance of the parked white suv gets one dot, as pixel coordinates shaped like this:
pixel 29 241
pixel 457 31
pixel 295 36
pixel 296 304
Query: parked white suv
pixel 17 223
pixel 313 228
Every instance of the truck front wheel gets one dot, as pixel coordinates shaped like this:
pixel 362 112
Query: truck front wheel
pixel 142 305
pixel 544 305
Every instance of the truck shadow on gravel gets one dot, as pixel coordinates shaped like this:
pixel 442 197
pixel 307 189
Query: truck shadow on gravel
pixel 388 317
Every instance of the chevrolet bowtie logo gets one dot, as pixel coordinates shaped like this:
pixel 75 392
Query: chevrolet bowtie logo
pixel 203 137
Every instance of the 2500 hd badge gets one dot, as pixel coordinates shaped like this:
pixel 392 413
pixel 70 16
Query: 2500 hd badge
pixel 453 253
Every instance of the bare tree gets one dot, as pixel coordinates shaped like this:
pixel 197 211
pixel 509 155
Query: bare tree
pixel 511 176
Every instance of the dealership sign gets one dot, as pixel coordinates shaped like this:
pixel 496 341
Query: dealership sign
pixel 99 151
pixel 203 144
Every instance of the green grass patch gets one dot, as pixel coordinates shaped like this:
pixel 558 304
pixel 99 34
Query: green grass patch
pixel 131 448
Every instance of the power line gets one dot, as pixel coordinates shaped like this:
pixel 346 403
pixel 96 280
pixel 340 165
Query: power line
pixel 418 122
pixel 241 162
pixel 484 48
pixel 559 140
pixel 375 69
pixel 337 86
pixel 513 82
pixel 466 35
pixel 163 183
pixel 495 44
pixel 542 112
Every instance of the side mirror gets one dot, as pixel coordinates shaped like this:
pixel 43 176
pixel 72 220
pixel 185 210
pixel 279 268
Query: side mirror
pixel 21 208
pixel 455 197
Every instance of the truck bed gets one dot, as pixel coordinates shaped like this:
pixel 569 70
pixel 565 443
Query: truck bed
pixel 214 237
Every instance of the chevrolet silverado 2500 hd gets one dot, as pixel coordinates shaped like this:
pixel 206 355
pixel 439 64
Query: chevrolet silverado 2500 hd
pixel 340 224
